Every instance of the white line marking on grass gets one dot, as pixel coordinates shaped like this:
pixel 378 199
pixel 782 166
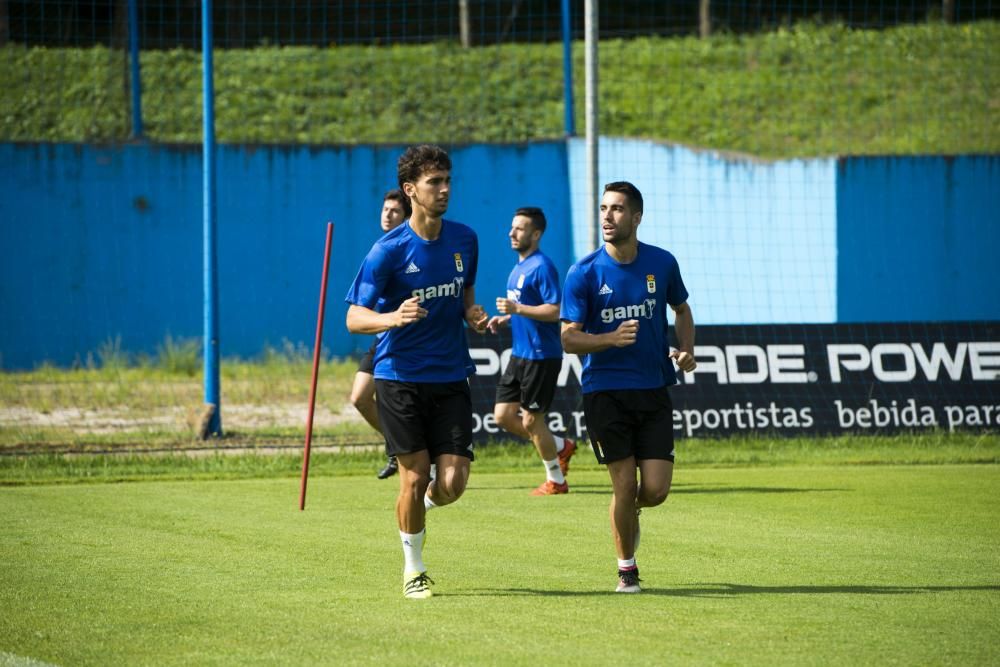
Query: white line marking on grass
pixel 11 660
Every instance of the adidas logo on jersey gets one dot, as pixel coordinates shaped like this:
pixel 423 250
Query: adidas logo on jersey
pixel 412 268
pixel 605 289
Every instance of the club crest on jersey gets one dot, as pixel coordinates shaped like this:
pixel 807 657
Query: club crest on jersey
pixel 651 283
pixel 458 262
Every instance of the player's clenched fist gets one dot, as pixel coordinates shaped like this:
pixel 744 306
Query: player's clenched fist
pixel 409 312
pixel 506 306
pixel 476 318
pixel 685 360
pixel 626 333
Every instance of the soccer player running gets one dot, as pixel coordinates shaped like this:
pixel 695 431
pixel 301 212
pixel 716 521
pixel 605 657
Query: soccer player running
pixel 425 271
pixel 531 308
pixel 395 209
pixel 614 313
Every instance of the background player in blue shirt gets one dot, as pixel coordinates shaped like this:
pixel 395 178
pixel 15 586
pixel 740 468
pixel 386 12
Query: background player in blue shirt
pixel 424 272
pixel 531 308
pixel 614 313
pixel 395 209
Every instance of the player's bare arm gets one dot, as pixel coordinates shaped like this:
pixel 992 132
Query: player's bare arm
pixel 684 328
pixel 475 316
pixel 546 312
pixel 576 341
pixel 361 320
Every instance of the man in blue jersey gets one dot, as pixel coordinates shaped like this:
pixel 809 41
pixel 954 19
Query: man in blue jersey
pixel 395 209
pixel 424 272
pixel 614 314
pixel 531 308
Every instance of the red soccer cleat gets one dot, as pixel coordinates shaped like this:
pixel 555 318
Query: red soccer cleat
pixel 566 454
pixel 550 488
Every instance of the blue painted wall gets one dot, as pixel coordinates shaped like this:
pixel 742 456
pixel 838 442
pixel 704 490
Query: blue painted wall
pixel 813 241
pixel 99 242
pixel 918 238
pixel 756 241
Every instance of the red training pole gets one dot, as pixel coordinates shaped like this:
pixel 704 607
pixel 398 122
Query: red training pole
pixel 315 373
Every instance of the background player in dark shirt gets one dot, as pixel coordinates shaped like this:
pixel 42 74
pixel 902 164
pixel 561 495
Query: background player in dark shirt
pixel 395 210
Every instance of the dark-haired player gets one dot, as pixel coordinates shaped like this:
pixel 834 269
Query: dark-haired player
pixel 614 313
pixel 531 308
pixel 424 272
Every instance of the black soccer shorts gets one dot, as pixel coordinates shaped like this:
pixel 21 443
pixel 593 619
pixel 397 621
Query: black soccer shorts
pixel 436 416
pixel 630 422
pixel 367 363
pixel 531 382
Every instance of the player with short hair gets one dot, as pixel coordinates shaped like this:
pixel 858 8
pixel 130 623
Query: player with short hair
pixel 528 384
pixel 395 209
pixel 424 272
pixel 614 313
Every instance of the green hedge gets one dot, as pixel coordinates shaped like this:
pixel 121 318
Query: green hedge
pixel 810 90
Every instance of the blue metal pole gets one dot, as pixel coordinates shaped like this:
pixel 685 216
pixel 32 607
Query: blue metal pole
pixel 133 49
pixel 567 37
pixel 210 263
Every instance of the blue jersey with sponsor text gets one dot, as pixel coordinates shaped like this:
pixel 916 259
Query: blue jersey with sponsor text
pixel 401 265
pixel 600 294
pixel 534 282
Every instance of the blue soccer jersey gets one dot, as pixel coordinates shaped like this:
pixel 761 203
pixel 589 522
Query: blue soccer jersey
pixel 401 265
pixel 534 282
pixel 600 294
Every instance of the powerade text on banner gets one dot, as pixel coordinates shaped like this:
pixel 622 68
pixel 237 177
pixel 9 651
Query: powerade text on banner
pixel 800 379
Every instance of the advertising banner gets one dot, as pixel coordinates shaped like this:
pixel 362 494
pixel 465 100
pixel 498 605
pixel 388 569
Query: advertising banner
pixel 799 379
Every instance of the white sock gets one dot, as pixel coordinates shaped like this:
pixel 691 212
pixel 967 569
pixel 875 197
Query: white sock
pixel 434 471
pixel 553 472
pixel 560 444
pixel 626 564
pixel 428 503
pixel 413 552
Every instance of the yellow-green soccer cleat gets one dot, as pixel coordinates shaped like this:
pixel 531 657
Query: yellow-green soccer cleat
pixel 417 586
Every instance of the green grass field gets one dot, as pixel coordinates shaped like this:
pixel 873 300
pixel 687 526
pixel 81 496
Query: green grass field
pixel 170 550
pixel 801 564
pixel 792 92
